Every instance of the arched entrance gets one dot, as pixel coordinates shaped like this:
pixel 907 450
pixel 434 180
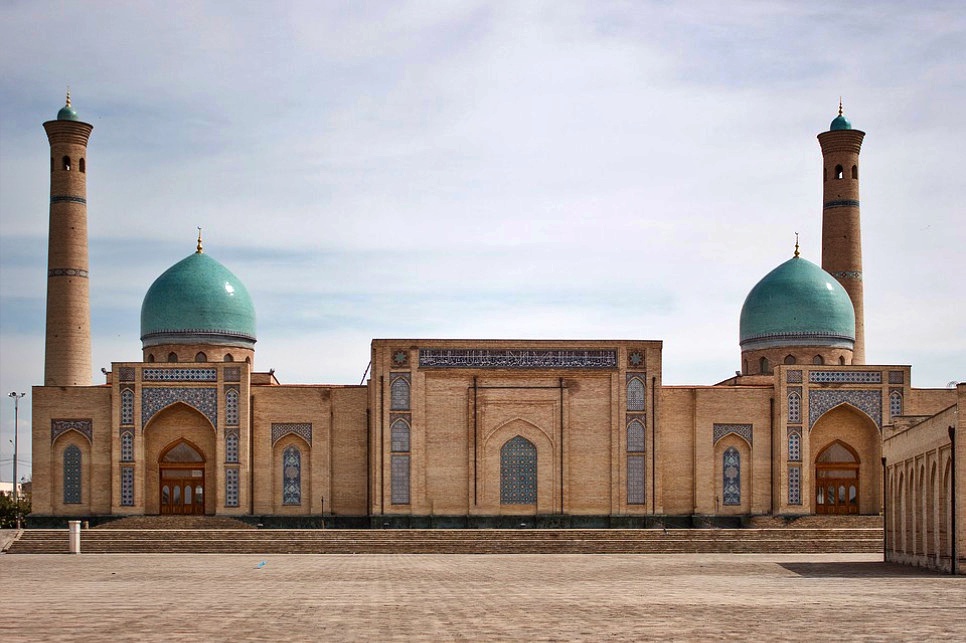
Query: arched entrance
pixel 182 479
pixel 837 480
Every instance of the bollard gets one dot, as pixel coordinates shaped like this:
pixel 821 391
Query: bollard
pixel 74 528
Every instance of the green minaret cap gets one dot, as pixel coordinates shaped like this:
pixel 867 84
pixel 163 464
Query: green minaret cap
pixel 840 122
pixel 67 112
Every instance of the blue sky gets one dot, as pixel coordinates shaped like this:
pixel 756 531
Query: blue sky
pixel 485 169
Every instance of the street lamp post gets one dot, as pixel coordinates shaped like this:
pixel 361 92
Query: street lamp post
pixel 16 419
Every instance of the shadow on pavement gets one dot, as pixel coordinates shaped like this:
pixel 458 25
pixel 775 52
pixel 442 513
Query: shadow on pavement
pixel 858 570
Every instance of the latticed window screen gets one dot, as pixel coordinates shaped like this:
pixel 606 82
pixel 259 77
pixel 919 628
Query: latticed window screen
pixel 231 447
pixel 231 407
pixel 731 476
pixel 292 476
pixel 399 466
pixel 518 472
pixel 231 487
pixel 127 486
pixel 794 485
pixel 399 394
pixel 127 406
pixel 635 479
pixel 399 436
pixel 127 446
pixel 794 408
pixel 795 447
pixel 895 403
pixel 635 437
pixel 72 475
pixel 635 395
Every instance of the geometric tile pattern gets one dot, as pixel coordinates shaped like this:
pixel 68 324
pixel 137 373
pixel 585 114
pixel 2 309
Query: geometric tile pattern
pixel 399 431
pixel 127 486
pixel 845 377
pixel 822 401
pixel 794 485
pixel 635 437
pixel 794 407
pixel 399 391
pixel 232 374
pixel 741 430
pixel 179 375
pixel 301 429
pixel 127 406
pixel 895 404
pixel 518 472
pixel 794 377
pixel 510 358
pixel 399 469
pixel 896 377
pixel 635 479
pixel 84 427
pixel 731 476
pixel 635 393
pixel 204 400
pixel 72 475
pixel 231 487
pixel 231 406
pixel 795 447
pixel 127 373
pixel 127 446
pixel 292 476
pixel 231 445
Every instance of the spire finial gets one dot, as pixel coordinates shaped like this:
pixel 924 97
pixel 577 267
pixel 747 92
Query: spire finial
pixel 796 244
pixel 840 105
pixel 68 95
pixel 200 248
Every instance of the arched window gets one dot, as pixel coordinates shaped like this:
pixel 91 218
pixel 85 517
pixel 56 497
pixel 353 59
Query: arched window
pixel 789 359
pixel 855 171
pixel 231 407
pixel 399 462
pixel 731 476
pixel 172 357
pixel 127 406
pixel 399 441
pixel 635 463
pixel 82 166
pixel 399 393
pixel 635 395
pixel 292 476
pixel 794 408
pixel 228 357
pixel 150 357
pixel 72 475
pixel 795 447
pixel 518 472
pixel 841 360
pixel 248 360
pixel 744 367
pixel 201 357
pixel 895 403
pixel 763 366
pixel 794 485
pixel 65 163
pixel 839 172
pixel 127 446
pixel 818 359
pixel 231 446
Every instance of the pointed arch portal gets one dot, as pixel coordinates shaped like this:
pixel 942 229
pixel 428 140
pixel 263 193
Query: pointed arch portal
pixel 182 479
pixel 837 480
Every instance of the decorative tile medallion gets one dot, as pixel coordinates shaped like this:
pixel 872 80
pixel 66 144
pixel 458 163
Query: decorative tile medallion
pixel 741 430
pixel 400 358
pixel 301 429
pixel 845 377
pixel 793 377
pixel 635 359
pixel 822 401
pixel 496 358
pixel 84 427
pixel 179 375
pixel 154 399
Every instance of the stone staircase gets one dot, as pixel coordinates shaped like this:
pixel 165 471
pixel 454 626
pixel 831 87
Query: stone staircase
pixel 857 536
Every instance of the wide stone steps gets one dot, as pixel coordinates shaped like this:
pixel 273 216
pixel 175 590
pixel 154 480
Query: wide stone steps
pixel 456 541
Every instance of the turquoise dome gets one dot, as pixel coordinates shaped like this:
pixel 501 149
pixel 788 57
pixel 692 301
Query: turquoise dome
pixel 797 303
pixel 67 113
pixel 840 122
pixel 197 300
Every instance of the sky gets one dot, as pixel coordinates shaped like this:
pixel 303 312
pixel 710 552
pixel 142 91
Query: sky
pixel 460 169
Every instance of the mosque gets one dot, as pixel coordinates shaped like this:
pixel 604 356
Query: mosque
pixel 481 433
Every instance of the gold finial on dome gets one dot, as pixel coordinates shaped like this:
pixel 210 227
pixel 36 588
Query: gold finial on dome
pixel 68 96
pixel 200 248
pixel 796 244
pixel 840 105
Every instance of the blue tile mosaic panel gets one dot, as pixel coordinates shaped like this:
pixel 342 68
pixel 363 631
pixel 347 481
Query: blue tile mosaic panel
pixel 127 407
pixel 795 447
pixel 231 446
pixel 231 407
pixel 635 393
pixel 127 486
pixel 84 427
pixel 635 479
pixel 794 485
pixel 742 430
pixel 231 487
pixel 518 472
pixel 72 475
pixel 292 476
pixel 127 446
pixel 822 401
pixel 845 377
pixel 895 404
pixel 509 358
pixel 731 476
pixel 794 407
pixel 301 429
pixel 179 375
pixel 154 399
pixel 399 392
pixel 399 480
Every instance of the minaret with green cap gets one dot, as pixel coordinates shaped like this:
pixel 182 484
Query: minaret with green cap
pixel 841 233
pixel 67 358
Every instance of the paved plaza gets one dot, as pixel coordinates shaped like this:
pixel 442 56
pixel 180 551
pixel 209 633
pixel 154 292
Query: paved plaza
pixel 466 597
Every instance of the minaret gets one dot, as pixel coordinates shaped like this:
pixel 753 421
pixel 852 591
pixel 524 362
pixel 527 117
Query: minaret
pixel 841 234
pixel 67 359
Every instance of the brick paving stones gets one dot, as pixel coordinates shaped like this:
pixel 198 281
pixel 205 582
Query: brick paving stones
pixel 467 597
